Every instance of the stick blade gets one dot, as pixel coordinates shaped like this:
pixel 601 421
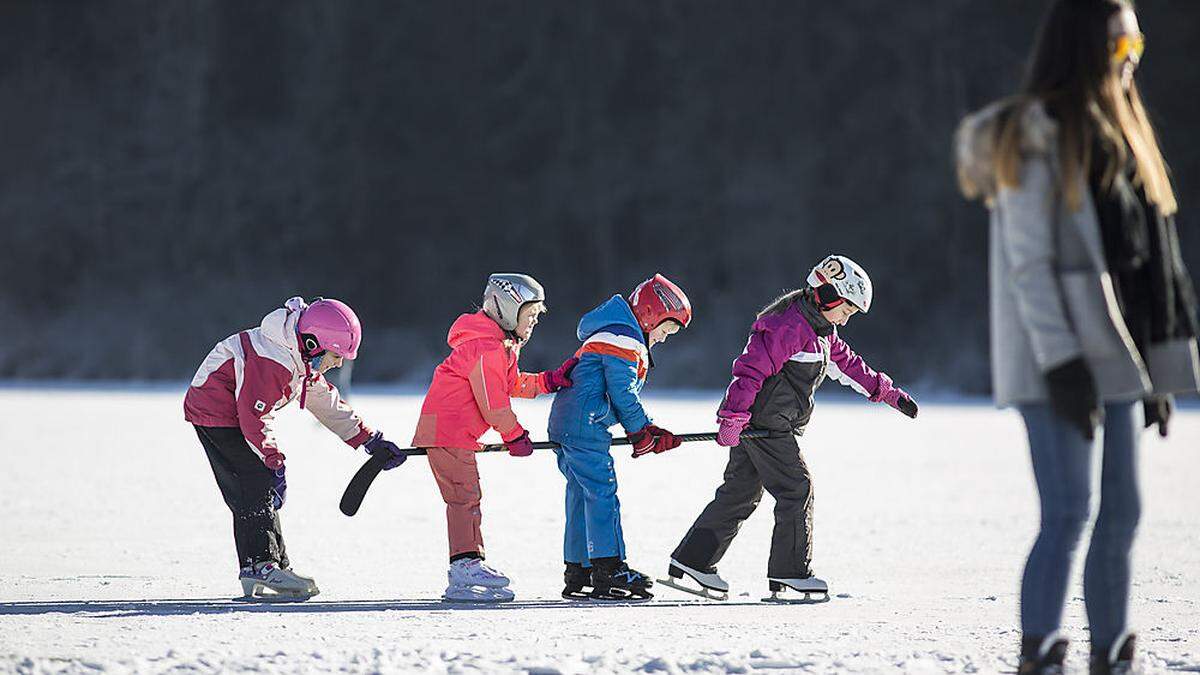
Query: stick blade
pixel 356 491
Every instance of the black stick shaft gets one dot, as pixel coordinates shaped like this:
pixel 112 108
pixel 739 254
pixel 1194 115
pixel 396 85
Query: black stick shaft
pixel 550 445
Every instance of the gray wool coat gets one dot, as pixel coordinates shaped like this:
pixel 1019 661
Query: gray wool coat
pixel 1051 295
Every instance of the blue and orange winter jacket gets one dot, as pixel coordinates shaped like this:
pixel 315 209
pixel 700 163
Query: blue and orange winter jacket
pixel 613 362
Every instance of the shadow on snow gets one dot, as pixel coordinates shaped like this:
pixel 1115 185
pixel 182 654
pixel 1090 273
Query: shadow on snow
pixel 180 607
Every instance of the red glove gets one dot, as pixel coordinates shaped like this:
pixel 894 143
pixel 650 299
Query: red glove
pixel 274 461
pixel 559 378
pixel 520 446
pixel 652 439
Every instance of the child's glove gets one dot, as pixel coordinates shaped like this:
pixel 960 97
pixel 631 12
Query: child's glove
pixel 652 439
pixel 378 444
pixel 520 446
pixel 731 424
pixel 894 396
pixel 559 378
pixel 278 487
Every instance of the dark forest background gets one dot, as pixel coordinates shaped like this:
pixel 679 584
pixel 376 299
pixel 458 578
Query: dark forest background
pixel 172 170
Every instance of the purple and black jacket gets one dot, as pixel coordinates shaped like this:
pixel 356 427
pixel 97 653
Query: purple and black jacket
pixel 786 358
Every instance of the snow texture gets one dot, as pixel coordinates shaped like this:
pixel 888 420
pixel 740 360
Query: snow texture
pixel 116 553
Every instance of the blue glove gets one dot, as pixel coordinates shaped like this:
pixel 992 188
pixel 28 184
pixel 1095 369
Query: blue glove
pixel 278 487
pixel 378 444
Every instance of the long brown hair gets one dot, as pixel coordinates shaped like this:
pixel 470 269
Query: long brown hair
pixel 1069 72
pixel 779 305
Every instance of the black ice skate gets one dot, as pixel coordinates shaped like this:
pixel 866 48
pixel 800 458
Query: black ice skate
pixel 612 579
pixel 576 578
pixel 813 589
pixel 1042 655
pixel 711 585
pixel 1116 661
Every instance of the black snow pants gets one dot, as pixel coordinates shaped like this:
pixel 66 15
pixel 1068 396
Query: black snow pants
pixel 773 463
pixel 245 483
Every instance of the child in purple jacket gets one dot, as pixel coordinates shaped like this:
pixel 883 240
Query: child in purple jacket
pixel 793 345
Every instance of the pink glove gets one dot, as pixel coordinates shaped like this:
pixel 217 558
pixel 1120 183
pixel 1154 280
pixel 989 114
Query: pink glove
pixel 559 378
pixel 894 396
pixel 731 425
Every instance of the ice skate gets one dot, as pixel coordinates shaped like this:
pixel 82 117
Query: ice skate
pixel 612 579
pixel 268 582
pixel 1118 660
pixel 472 572
pixel 476 594
pixel 712 586
pixel 814 590
pixel 1042 656
pixel 576 578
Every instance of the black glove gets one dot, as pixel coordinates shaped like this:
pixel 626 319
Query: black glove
pixel 906 405
pixel 1158 411
pixel 1073 396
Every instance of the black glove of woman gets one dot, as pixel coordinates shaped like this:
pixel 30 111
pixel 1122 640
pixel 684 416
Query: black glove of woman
pixel 1073 396
pixel 1158 411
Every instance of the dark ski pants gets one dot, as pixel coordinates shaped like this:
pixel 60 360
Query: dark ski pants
pixel 756 463
pixel 1063 464
pixel 245 483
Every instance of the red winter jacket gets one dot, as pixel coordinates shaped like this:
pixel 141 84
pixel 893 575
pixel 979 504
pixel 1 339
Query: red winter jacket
pixel 249 375
pixel 471 388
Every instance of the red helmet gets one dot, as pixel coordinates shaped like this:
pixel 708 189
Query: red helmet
pixel 657 299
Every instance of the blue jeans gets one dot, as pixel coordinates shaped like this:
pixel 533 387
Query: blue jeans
pixel 593 528
pixel 1063 464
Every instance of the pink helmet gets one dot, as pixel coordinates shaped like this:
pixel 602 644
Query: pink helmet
pixel 333 326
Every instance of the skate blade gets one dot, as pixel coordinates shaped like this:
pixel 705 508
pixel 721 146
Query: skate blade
pixel 476 601
pixel 258 592
pixel 808 598
pixel 706 593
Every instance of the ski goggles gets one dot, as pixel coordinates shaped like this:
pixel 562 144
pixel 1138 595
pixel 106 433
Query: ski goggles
pixel 1128 47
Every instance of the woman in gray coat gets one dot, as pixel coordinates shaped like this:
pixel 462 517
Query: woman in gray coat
pixel 1093 316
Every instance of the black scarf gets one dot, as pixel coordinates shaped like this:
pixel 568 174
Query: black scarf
pixel 1141 247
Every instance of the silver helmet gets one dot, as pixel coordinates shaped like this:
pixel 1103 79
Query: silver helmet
pixel 506 293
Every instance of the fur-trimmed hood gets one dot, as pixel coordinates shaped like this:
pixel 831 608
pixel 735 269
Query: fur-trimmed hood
pixel 975 142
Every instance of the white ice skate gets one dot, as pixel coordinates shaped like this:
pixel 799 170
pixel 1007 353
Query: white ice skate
pixel 712 586
pixel 267 582
pixel 476 594
pixel 472 572
pixel 814 589
pixel 472 581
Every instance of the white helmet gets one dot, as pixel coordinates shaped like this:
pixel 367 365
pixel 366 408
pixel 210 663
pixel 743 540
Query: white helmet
pixel 506 293
pixel 838 277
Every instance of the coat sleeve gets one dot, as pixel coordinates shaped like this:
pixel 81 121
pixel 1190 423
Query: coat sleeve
pixel 621 385
pixel 528 385
pixel 490 386
pixel 1026 221
pixel 767 350
pixel 850 369
pixel 264 386
pixel 325 404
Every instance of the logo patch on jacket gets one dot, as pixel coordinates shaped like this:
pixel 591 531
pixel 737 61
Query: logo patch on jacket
pixel 260 406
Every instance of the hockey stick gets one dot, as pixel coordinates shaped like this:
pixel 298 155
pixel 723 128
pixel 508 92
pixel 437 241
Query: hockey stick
pixel 356 491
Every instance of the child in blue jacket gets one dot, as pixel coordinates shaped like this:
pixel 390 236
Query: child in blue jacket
pixel 613 361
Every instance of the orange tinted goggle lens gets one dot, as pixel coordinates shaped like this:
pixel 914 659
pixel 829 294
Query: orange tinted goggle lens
pixel 1128 44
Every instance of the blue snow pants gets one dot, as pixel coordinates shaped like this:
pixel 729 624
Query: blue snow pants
pixel 593 512
pixel 1063 464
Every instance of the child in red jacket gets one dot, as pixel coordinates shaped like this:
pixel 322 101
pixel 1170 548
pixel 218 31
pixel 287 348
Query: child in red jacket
pixel 470 394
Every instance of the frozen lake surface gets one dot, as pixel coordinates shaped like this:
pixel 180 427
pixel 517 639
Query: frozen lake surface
pixel 116 553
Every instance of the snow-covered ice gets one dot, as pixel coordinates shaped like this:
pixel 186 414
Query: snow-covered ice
pixel 116 553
